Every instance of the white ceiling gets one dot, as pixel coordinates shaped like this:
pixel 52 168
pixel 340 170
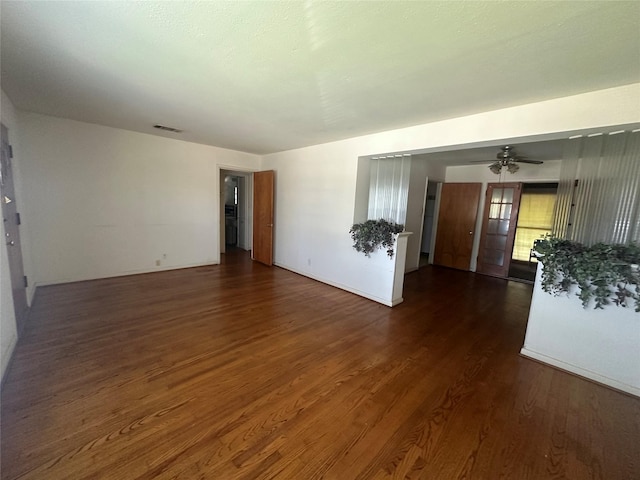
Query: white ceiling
pixel 269 76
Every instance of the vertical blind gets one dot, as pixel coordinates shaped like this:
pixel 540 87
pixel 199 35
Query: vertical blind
pixel 598 192
pixel 389 188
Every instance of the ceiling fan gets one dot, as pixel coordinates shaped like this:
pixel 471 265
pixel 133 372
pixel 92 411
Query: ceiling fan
pixel 508 159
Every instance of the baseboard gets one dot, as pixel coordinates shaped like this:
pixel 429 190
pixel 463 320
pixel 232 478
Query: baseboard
pixel 397 301
pixel 346 288
pixel 581 372
pixel 7 358
pixel 123 274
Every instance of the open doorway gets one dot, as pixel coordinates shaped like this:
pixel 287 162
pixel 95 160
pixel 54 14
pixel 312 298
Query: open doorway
pixel 235 214
pixel 535 220
pixel 428 225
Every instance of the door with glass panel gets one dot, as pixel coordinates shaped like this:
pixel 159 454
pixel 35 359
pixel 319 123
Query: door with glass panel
pixel 498 228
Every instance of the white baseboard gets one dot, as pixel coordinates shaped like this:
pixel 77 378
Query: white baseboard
pixel 596 377
pixel 388 303
pixel 7 356
pixel 122 274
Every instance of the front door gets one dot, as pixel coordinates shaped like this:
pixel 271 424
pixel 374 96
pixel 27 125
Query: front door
pixel 263 184
pixel 11 220
pixel 456 224
pixel 499 228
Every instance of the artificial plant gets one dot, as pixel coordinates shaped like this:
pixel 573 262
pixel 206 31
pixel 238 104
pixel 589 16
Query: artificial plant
pixel 373 234
pixel 604 273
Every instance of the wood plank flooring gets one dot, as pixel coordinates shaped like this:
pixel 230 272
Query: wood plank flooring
pixel 240 371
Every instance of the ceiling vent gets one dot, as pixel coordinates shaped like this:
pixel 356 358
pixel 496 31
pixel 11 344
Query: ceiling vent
pixel 167 129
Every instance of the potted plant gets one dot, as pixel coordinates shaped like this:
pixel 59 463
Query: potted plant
pixel 373 234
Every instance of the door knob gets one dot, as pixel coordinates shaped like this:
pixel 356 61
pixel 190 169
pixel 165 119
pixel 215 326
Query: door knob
pixel 11 243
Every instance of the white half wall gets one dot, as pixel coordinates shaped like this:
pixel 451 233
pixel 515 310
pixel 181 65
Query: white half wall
pixel 316 186
pixel 104 202
pixel 602 345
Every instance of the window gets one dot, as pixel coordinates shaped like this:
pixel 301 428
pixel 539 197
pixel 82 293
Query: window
pixel 535 218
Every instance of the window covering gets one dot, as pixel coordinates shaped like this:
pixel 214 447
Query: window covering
pixel 389 188
pixel 598 193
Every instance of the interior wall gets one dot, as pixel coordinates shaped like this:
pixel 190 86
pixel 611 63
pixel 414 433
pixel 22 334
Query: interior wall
pixel 549 171
pixel 243 221
pixel 316 188
pixel 429 216
pixel 415 211
pixel 105 202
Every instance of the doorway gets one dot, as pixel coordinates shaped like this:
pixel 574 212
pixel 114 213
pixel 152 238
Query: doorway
pixel 247 213
pixel 534 222
pixel 428 225
pixel 235 210
pixel 501 209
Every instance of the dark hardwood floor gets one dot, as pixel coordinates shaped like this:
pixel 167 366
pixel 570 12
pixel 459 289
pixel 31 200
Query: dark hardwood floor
pixel 241 371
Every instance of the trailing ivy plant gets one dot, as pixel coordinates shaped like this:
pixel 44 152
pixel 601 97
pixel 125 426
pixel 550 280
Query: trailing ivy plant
pixel 604 273
pixel 373 234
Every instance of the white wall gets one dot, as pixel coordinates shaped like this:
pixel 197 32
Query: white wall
pixel 601 345
pixel 421 170
pixel 316 186
pixel 429 216
pixel 103 202
pixel 549 171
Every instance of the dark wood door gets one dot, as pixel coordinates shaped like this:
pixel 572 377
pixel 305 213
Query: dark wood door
pixel 11 220
pixel 499 228
pixel 456 224
pixel 263 185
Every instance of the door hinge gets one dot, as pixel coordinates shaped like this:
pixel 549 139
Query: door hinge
pixel 18 221
pixel 26 282
pixel 10 151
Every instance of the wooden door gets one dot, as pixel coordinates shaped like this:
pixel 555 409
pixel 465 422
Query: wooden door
pixel 499 228
pixel 263 185
pixel 456 224
pixel 11 220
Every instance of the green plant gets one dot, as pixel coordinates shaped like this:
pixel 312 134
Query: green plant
pixel 373 234
pixel 604 273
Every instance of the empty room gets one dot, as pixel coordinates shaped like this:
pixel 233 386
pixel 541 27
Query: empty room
pixel 304 240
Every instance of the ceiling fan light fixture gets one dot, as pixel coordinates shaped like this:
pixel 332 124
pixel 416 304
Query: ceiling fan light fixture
pixel 512 168
pixel 495 168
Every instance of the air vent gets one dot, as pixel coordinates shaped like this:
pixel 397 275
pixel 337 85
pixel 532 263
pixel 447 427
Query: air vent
pixel 168 129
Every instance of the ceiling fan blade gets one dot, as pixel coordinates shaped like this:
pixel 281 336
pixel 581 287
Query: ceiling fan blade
pixel 524 160
pixel 482 161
